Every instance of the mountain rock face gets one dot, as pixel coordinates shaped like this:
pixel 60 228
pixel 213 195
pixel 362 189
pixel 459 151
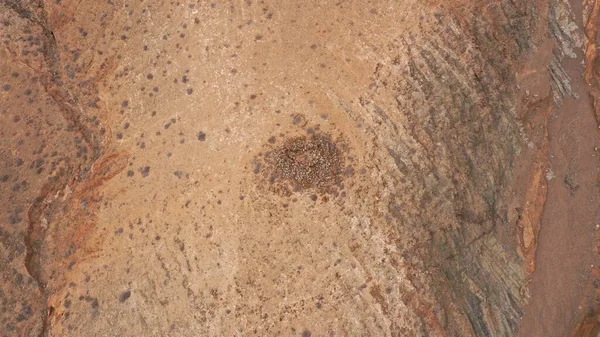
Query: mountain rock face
pixel 305 168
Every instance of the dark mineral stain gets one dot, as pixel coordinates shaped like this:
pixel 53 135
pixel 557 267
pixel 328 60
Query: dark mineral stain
pixel 124 296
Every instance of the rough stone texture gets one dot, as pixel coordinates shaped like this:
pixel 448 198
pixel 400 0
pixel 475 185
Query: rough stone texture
pixel 135 135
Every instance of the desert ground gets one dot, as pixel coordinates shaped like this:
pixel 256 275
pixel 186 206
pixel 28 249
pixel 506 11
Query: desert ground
pixel 299 168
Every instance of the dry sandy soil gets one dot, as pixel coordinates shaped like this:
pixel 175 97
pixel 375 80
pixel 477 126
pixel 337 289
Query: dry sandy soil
pixel 299 168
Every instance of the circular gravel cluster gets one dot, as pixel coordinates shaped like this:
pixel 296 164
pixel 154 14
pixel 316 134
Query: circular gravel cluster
pixel 306 162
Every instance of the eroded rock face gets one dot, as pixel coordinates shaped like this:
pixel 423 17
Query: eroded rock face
pixel 269 168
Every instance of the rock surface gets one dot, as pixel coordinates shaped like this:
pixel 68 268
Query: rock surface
pixel 296 168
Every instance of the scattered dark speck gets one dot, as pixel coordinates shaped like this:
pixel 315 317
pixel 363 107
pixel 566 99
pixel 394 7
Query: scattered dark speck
pixel 124 296
pixel 25 314
pixel 306 333
pixel 201 136
pixel 130 173
pixel 149 76
pixel 125 103
pixel 189 91
pixel 6 87
pixel 272 140
pixel 297 119
pixel 145 171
